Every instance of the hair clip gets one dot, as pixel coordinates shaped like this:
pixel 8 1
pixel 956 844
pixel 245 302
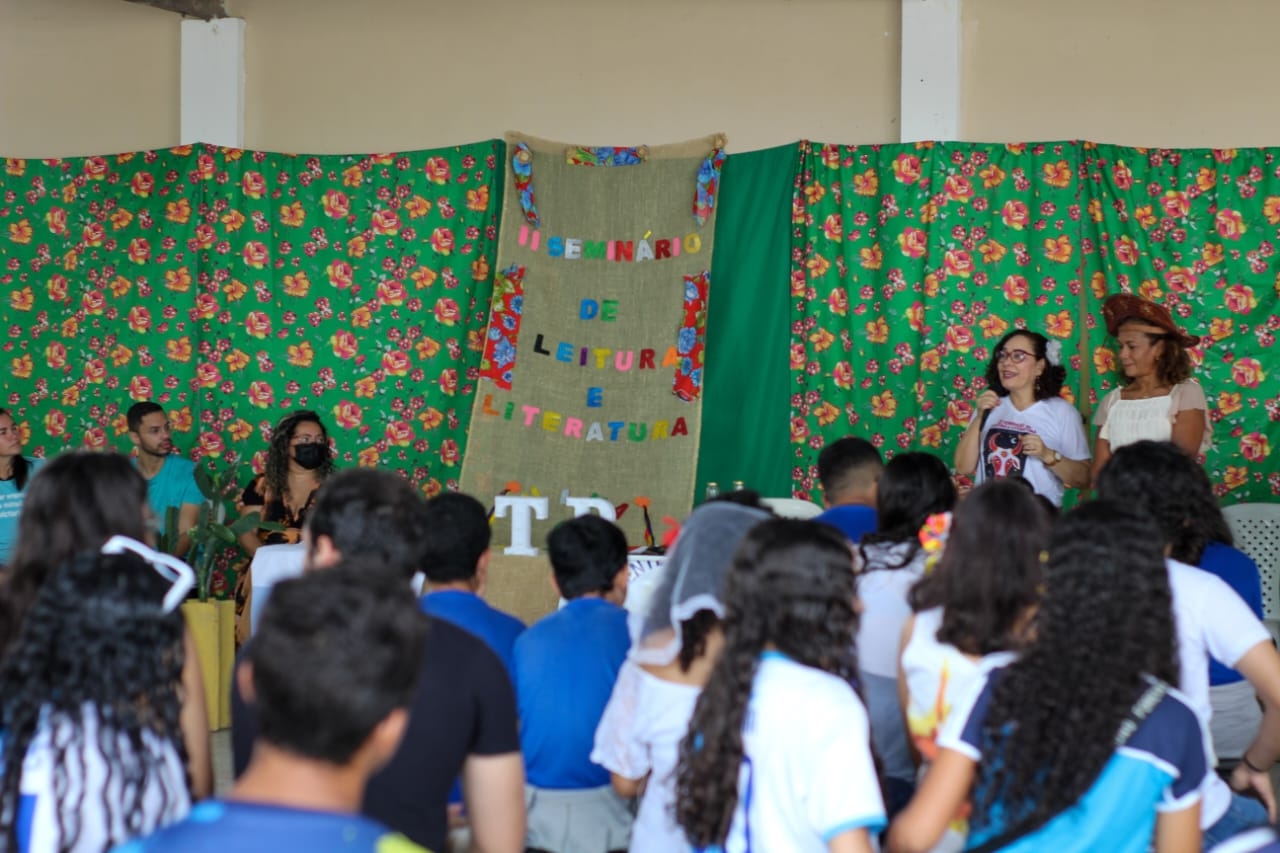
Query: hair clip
pixel 181 576
pixel 933 537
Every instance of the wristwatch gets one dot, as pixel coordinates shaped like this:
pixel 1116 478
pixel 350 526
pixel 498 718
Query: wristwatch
pixel 1057 457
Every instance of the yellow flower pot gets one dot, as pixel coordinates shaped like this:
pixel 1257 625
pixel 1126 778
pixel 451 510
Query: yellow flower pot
pixel 213 630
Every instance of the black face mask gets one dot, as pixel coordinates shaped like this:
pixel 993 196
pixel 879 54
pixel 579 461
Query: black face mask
pixel 311 456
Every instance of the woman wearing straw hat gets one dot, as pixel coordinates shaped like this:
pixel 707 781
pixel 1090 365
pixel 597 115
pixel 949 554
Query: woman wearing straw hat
pixel 1157 398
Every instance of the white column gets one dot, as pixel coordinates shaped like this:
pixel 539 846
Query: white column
pixel 930 72
pixel 213 82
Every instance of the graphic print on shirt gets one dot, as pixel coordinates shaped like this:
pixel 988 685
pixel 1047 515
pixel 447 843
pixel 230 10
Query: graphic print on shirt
pixel 1002 454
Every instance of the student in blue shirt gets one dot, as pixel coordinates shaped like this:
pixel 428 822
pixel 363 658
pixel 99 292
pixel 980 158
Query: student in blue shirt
pixel 170 479
pixel 566 665
pixel 15 471
pixel 332 672
pixel 849 469
pixel 456 563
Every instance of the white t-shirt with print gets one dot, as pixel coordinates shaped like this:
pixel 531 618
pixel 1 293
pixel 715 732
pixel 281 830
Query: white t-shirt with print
pixel 639 734
pixel 1000 451
pixel 1211 620
pixel 807 775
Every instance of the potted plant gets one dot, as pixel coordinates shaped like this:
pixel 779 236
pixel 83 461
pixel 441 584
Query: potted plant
pixel 212 622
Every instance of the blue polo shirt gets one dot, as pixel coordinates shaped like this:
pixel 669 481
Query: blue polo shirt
pixel 474 615
pixel 11 507
pixel 566 665
pixel 1241 574
pixel 853 520
pixel 173 485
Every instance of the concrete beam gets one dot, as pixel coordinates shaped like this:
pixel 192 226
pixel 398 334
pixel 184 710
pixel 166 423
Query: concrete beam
pixel 206 10
pixel 930 70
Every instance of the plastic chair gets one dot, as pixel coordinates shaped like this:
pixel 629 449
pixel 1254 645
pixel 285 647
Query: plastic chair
pixel 792 507
pixel 1256 528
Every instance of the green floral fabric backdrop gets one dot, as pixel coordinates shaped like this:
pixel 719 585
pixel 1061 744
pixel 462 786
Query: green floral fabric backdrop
pixel 909 261
pixel 234 286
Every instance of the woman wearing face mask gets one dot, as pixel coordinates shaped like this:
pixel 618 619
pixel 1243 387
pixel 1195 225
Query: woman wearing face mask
pixel 1157 399
pixel 1021 427
pixel 298 461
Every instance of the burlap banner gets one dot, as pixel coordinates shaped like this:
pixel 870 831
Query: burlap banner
pixel 591 380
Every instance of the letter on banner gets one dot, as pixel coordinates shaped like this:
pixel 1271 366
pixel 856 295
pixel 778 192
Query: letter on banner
pixel 583 506
pixel 522 507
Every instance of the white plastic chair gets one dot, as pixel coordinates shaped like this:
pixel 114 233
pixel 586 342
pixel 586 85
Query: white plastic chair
pixel 1256 528
pixel 792 507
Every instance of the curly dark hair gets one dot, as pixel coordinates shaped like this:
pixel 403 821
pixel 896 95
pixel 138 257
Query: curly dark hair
pixel 1173 365
pixel 912 487
pixel 1048 384
pixel 984 590
pixel 77 501
pixel 96 636
pixel 1105 624
pixel 693 636
pixel 1159 479
pixel 278 452
pixel 792 586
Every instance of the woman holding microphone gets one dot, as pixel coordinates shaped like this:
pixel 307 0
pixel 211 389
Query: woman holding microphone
pixel 1021 427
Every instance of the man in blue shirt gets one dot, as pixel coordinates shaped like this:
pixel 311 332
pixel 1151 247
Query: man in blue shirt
pixel 849 469
pixel 456 563
pixel 331 672
pixel 170 479
pixel 566 665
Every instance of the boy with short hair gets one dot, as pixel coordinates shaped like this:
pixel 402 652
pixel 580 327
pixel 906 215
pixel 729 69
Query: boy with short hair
pixel 566 665
pixel 456 563
pixel 331 672
pixel 849 469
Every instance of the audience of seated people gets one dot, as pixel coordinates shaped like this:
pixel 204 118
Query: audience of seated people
pixel 1050 663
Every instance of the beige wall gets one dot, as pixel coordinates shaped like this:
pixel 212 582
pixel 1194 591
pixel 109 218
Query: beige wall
pixel 86 77
pixel 97 76
pixel 1170 73
pixel 402 74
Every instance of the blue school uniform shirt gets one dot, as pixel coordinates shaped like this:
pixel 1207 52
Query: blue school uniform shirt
pixel 476 616
pixel 173 485
pixel 11 507
pixel 566 665
pixel 215 826
pixel 1241 574
pixel 853 520
pixel 1160 768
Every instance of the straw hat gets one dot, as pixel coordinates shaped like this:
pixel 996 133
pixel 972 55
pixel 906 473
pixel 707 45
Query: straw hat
pixel 1144 316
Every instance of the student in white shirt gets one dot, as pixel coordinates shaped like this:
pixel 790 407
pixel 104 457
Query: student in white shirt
pixel 778 756
pixel 674 645
pixel 1161 480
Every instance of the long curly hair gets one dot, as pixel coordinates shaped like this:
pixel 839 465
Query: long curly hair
pixel 985 591
pixel 791 585
pixel 1048 384
pixel 912 487
pixel 1105 623
pixel 279 452
pixel 96 641
pixel 77 501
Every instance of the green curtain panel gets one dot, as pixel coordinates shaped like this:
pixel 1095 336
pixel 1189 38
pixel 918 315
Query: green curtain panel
pixel 746 402
pixel 910 260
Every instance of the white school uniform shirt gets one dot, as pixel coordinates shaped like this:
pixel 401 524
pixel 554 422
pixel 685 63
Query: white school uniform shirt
pixel 1000 451
pixel 639 734
pixel 1211 619
pixel 807 775
pixel 166 799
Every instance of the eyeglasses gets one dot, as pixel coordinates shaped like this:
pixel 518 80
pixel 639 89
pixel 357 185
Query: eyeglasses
pixel 1017 356
pixel 181 576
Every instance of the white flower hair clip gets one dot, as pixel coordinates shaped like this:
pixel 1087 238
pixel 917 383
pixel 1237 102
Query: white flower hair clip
pixel 1053 352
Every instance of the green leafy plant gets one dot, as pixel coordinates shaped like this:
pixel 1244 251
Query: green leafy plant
pixel 211 535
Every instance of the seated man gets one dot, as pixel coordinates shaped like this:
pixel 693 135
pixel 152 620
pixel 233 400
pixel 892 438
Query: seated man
pixel 462 719
pixel 170 479
pixel 456 563
pixel 566 665
pixel 331 672
pixel 849 469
